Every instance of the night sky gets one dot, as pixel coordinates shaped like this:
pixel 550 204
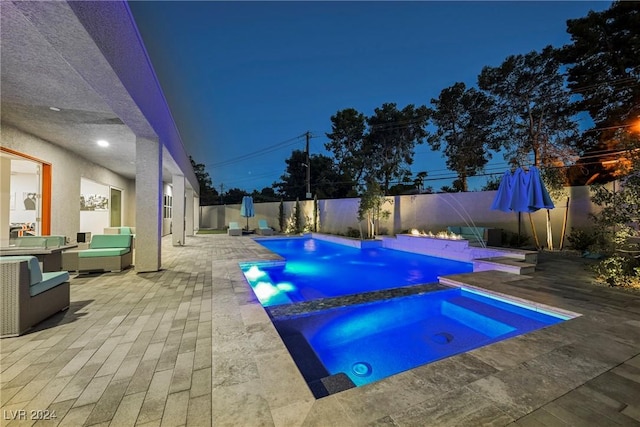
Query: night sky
pixel 244 79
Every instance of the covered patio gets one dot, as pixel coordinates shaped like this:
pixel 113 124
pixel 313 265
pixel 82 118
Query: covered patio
pixel 190 345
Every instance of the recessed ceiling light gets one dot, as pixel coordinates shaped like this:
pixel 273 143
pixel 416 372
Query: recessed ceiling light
pixel 54 109
pixel 103 143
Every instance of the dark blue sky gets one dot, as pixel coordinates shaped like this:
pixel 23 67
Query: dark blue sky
pixel 243 77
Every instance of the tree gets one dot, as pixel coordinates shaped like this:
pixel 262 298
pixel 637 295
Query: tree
pixel 208 194
pixel 419 181
pixel 603 66
pixel 392 137
pixel 267 194
pixel 326 181
pixel 234 196
pixel 370 208
pixel 532 108
pixel 348 145
pixel 465 120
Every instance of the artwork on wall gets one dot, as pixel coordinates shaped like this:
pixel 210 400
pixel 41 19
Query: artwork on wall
pixel 94 202
pixel 29 201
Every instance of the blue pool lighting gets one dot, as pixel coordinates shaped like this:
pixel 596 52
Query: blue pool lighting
pixel 318 269
pixel 359 343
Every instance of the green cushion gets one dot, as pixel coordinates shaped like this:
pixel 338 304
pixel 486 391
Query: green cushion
pixel 104 241
pixel 49 280
pixel 35 273
pixel 125 230
pixel 472 230
pixel 95 253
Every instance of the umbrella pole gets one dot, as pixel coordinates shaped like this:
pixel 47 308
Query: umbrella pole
pixel 535 234
pixel 564 225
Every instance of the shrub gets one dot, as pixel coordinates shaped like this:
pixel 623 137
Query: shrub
pixel 581 239
pixel 619 270
pixel 513 240
pixel 353 232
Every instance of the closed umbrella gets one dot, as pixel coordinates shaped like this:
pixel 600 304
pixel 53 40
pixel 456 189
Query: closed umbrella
pixel 522 191
pixel 246 209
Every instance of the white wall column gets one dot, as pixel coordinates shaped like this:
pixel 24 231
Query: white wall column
pixel 178 222
pixel 148 252
pixel 189 213
pixel 5 199
pixel 196 213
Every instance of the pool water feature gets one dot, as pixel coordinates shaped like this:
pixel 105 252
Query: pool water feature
pixel 340 348
pixel 317 269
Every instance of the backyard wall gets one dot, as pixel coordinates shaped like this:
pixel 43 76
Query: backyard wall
pixel 426 212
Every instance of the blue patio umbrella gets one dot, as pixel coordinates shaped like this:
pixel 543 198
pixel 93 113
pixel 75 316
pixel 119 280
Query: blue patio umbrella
pixel 246 209
pixel 522 191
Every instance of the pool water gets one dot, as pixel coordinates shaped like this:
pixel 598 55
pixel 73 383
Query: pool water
pixel 359 343
pixel 318 269
pixel 368 342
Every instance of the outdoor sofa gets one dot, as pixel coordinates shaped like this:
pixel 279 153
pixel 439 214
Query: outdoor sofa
pixel 106 252
pixel 27 295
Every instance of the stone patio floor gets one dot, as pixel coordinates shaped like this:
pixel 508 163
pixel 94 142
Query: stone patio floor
pixel 190 345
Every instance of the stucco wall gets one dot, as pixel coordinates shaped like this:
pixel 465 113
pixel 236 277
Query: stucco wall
pixel 427 212
pixel 67 168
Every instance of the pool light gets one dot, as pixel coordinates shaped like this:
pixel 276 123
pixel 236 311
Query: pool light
pixel 254 273
pixel 265 291
pixel 361 369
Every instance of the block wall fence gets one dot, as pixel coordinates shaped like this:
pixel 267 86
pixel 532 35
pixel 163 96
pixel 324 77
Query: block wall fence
pixel 426 212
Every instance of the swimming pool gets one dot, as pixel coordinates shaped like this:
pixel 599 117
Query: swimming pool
pixel 355 345
pixel 317 269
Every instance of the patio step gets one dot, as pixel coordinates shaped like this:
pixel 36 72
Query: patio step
pixel 504 263
pixel 522 254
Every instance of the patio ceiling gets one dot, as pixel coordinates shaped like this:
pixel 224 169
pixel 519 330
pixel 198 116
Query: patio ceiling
pixel 49 60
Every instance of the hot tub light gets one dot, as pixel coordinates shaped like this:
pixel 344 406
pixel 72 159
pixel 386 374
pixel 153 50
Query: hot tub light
pixel 361 369
pixel 442 338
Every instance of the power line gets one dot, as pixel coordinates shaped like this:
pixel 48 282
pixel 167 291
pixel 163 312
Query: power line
pixel 269 149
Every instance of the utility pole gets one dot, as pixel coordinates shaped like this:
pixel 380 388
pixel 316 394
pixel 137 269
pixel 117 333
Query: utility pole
pixel 221 187
pixel 308 180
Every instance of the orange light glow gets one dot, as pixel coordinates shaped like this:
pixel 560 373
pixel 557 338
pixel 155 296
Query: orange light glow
pixel 636 126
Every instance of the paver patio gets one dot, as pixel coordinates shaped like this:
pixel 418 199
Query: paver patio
pixel 190 345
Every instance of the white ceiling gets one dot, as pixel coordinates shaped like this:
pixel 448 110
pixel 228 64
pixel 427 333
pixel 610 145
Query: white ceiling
pixel 37 73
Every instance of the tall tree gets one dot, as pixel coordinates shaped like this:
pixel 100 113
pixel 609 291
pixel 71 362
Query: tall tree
pixel 208 194
pixel 464 120
pixel 347 144
pixel 392 137
pixel 603 66
pixel 532 108
pixel 326 181
pixel 234 196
